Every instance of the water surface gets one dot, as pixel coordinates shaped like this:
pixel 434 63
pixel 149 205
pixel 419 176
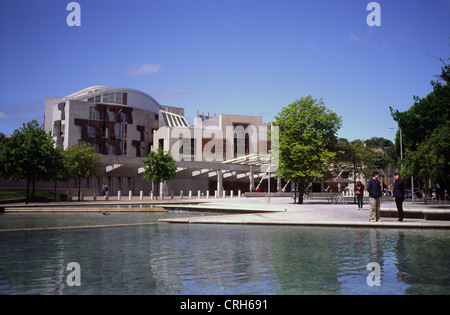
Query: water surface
pixel 216 259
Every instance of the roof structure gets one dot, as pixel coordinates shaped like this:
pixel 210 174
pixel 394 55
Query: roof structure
pixel 173 120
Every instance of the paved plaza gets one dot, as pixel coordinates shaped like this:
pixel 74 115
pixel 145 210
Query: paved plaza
pixel 261 210
pixel 313 212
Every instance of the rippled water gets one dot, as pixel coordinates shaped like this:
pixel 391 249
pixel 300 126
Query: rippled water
pixel 216 259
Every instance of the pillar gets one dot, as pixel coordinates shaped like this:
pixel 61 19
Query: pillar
pixel 219 182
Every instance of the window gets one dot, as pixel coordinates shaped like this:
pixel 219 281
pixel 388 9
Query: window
pixel 118 98
pixel 112 115
pixel 63 129
pixel 94 113
pixel 91 131
pixel 123 147
pixel 106 98
pixel 98 98
pixel 124 117
pixel 121 131
pixel 105 133
pixel 111 149
pixel 113 98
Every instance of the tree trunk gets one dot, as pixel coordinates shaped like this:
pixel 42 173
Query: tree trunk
pixel 32 194
pixel 54 194
pixel 155 189
pixel 79 189
pixel 301 190
pixel 295 192
pixel 28 192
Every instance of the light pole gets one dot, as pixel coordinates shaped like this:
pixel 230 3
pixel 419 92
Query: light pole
pixel 401 157
pixel 270 165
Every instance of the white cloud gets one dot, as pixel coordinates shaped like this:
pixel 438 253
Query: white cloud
pixel 3 116
pixel 145 68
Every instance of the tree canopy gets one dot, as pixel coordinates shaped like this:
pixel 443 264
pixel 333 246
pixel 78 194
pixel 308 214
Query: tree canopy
pixel 159 167
pixel 307 141
pixel 425 127
pixel 81 162
pixel 29 155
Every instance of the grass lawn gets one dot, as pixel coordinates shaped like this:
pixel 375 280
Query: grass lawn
pixel 12 194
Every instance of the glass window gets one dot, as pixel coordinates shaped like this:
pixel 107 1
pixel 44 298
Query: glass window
pixel 91 131
pixel 111 149
pixel 124 117
pixel 94 113
pixel 105 132
pixel 91 100
pixel 121 131
pixel 118 98
pixel 98 98
pixel 123 147
pixel 112 115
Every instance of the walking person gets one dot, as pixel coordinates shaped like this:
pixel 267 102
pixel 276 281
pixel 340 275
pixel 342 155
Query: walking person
pixel 359 194
pixel 106 192
pixel 374 189
pixel 399 195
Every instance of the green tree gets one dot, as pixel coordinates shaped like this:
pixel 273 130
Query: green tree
pixel 420 120
pixel 81 162
pixel 378 142
pixel 431 158
pixel 61 169
pixel 29 155
pixel 307 141
pixel 159 167
pixel 423 128
pixel 356 154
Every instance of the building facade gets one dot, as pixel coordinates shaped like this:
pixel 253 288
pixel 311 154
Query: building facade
pixel 124 125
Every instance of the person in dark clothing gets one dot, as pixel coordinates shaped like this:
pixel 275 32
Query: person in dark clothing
pixel 374 189
pixel 399 195
pixel 359 194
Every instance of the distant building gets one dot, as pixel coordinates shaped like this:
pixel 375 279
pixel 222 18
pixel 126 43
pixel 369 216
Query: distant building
pixel 115 121
pixel 124 125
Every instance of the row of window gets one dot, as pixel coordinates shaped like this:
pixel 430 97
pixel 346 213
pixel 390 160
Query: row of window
pixel 115 98
pixel 96 114
pixel 98 148
pixel 120 131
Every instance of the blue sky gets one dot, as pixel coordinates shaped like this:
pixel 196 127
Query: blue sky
pixel 250 57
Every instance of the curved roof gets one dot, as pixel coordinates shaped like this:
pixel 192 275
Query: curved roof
pixel 136 98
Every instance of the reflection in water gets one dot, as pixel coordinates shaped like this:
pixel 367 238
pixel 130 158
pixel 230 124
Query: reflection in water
pixel 400 254
pixel 224 259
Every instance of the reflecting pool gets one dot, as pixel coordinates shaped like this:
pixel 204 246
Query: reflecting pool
pixel 216 259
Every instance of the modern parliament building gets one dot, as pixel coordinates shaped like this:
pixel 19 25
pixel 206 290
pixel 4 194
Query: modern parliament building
pixel 215 154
